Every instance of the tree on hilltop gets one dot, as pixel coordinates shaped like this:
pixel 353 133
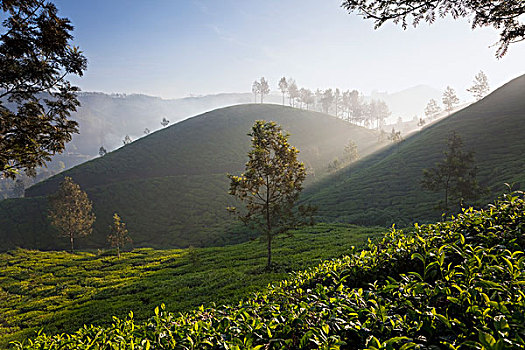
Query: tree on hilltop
pixel 481 87
pixel 293 92
pixel 36 99
pixel 504 15
pixel 455 174
pixel 127 140
pixel 102 151
pixel 264 88
pixel 270 185
pixel 283 86
pixel 71 211
pixel 450 99
pixel 256 89
pixel 118 235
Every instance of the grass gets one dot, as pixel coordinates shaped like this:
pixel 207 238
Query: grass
pixel 171 187
pixel 60 292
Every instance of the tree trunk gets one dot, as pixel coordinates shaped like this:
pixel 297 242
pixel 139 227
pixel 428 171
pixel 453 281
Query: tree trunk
pixel 118 251
pixel 268 224
pixel 269 262
pixel 71 240
pixel 446 195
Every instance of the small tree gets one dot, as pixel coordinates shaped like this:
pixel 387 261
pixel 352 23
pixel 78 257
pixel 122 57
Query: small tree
pixel 71 211
pixel 256 88
pixel 264 88
pixel 127 140
pixel 164 122
pixel 351 152
pixel 271 184
pixel 102 151
pixel 293 92
pixel 118 235
pixel 455 174
pixel 481 87
pixel 19 188
pixel 450 99
pixel 432 109
pixel 283 86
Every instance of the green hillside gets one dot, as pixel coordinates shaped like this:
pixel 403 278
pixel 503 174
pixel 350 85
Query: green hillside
pixel 171 187
pixel 452 285
pixel 385 188
pixel 59 292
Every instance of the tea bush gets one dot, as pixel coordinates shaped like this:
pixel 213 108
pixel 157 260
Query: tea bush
pixel 458 284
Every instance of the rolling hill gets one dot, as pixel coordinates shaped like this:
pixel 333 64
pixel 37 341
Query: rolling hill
pixel 171 187
pixel 385 188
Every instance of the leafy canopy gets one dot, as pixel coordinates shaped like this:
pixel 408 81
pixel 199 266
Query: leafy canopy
pixel 455 174
pixel 271 184
pixel 36 100
pixel 71 211
pixel 503 15
pixel 118 235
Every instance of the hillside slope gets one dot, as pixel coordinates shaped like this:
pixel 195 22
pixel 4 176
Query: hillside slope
pixel 385 188
pixel 171 187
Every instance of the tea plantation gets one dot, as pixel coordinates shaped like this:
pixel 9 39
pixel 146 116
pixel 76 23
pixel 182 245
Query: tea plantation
pixel 60 292
pixel 458 284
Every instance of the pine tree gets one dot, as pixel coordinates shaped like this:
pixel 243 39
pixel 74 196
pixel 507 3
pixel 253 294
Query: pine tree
pixel 71 211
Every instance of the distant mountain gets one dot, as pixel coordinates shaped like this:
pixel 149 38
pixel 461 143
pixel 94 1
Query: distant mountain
pixel 385 188
pixel 171 186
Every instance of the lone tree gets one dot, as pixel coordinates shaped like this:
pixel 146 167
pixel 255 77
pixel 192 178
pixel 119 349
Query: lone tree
pixel 118 235
pixel 36 99
pixel 455 174
pixel 481 87
pixel 71 211
pixel 504 15
pixel 450 99
pixel 271 184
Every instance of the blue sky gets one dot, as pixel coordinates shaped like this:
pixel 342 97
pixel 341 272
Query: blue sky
pixel 175 48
